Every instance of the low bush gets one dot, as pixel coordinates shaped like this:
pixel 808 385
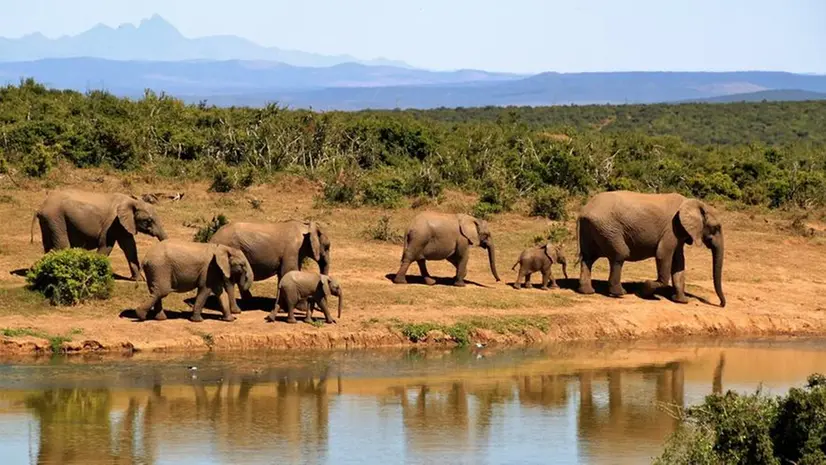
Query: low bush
pixel 382 231
pixel 205 233
pixel 753 429
pixel 71 276
pixel 39 161
pixel 382 191
pixel 549 202
pixel 227 179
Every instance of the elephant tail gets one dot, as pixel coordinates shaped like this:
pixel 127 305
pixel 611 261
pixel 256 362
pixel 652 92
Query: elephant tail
pixel 578 244
pixel 514 265
pixel 31 229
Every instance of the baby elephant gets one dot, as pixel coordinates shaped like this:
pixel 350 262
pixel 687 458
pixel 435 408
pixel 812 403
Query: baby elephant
pixel 314 288
pixel 540 258
pixel 177 266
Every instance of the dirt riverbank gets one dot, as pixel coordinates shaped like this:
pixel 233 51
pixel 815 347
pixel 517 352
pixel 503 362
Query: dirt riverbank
pixel 774 281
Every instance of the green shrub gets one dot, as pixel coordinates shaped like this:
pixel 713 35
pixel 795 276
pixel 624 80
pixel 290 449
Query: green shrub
pixel 205 233
pixel 484 210
pixel 227 179
pixel 71 276
pixel 382 191
pixel 426 182
pixel 550 202
pixel 753 429
pixel 39 161
pixel 715 184
pixel 556 234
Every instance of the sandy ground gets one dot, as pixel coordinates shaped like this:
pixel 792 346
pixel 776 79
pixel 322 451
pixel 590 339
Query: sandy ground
pixel 774 281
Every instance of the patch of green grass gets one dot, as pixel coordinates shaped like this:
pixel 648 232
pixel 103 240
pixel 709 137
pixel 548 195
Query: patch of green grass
pixel 55 341
pixel 462 330
pixel 317 323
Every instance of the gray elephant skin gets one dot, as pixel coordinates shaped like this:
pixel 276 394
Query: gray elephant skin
pixel 540 258
pixel 630 226
pixel 97 221
pixel 444 236
pixel 314 288
pixel 275 249
pixel 178 266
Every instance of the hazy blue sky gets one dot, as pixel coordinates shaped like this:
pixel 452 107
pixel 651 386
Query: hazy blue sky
pixel 503 35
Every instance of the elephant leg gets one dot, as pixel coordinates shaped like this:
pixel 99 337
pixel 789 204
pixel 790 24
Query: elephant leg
pixel 615 279
pixel 308 317
pixel 678 276
pixel 322 305
pixel 549 276
pixel 160 315
pixel 585 266
pixel 227 307
pixel 290 311
pixel 130 250
pixel 520 278
pixel 245 295
pixel 200 300
pixel 143 308
pixel 528 284
pixel 461 269
pixel 425 274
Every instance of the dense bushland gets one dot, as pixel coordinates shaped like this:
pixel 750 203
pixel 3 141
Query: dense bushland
pixel 753 429
pixel 769 154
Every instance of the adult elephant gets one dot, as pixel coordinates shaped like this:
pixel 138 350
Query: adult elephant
pixel 630 226
pixel 442 236
pixel 96 221
pixel 275 249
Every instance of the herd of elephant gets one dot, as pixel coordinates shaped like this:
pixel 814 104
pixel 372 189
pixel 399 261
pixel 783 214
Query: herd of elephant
pixel 620 226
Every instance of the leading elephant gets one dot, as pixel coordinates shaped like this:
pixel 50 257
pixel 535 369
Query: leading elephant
pixel 444 236
pixel 275 249
pixel 96 221
pixel 630 226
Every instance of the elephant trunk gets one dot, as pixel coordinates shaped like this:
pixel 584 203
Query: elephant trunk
pixel 324 265
pixel 340 302
pixel 492 260
pixel 160 234
pixel 717 257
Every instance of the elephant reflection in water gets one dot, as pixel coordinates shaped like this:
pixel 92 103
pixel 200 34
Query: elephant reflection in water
pixel 76 428
pixel 630 418
pixel 550 391
pixel 283 413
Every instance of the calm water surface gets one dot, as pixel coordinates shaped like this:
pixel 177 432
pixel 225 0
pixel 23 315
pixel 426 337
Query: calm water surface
pixel 561 404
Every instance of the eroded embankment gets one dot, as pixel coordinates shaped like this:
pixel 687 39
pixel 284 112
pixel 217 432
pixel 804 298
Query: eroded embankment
pixel 666 321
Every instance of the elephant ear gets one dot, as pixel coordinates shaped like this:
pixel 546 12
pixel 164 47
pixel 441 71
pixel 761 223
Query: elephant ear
pixel 691 217
pixel 315 243
pixel 126 215
pixel 549 252
pixel 324 284
pixel 221 257
pixel 469 228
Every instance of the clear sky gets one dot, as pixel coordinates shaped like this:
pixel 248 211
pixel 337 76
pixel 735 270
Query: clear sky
pixel 496 35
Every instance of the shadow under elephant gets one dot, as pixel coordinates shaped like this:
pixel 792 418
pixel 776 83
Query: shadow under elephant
pixel 440 280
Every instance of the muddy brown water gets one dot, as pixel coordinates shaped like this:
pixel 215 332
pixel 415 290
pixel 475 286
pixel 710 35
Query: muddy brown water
pixel 566 404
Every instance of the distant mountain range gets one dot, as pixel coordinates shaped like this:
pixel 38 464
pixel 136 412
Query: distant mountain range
pixel 156 39
pixel 227 70
pixel 352 86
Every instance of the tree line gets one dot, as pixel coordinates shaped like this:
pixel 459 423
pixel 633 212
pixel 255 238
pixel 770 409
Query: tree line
pixel 769 154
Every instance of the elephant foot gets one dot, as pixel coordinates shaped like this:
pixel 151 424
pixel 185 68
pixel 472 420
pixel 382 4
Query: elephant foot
pixel 141 315
pixel 138 278
pixel 586 289
pixel 196 318
pixel 308 320
pixel 235 310
pixel 680 299
pixel 271 317
pixel 161 316
pixel 616 291
pixel 228 318
pixel 460 283
pixel 330 321
pixel 544 288
pixel 554 286
pixel 429 281
pixel 292 320
pixel 650 287
pixel 400 279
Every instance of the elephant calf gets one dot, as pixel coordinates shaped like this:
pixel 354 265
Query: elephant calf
pixel 177 266
pixel 297 286
pixel 540 258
